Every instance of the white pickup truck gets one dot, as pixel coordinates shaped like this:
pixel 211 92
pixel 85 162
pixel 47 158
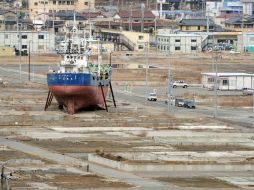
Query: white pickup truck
pixel 180 83
pixel 152 97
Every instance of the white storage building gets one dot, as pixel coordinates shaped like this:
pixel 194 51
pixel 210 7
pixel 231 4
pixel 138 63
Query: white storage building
pixel 228 81
pixel 40 42
pixel 180 42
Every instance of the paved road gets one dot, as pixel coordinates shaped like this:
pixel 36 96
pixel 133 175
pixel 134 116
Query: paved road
pixel 241 116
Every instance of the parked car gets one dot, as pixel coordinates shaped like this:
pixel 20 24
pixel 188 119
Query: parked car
pixel 189 104
pixel 180 83
pixel 247 91
pixel 179 102
pixel 152 97
pixel 232 51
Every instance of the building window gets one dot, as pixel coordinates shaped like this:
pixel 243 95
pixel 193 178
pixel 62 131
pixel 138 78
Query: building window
pixel 225 82
pixel 140 37
pixel 168 48
pixel 193 48
pixel 140 47
pixel 41 37
pixel 35 3
pixel 188 27
pixel 54 2
pixel 193 40
pixel 198 27
pixel 6 36
pixel 167 39
pixel 68 2
pixel 86 3
pixel 177 48
pixel 24 37
pixel 24 46
pixel 72 2
pixel 177 40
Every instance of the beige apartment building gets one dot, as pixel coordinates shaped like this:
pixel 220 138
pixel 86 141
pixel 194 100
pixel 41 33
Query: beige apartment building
pixel 38 9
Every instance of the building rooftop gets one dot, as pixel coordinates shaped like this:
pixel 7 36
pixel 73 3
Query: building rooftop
pixel 69 15
pixel 228 74
pixel 195 22
pixel 135 14
pixel 240 20
pixel 183 34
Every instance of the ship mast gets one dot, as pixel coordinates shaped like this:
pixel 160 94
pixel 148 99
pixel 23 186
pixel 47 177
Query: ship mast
pixel 99 58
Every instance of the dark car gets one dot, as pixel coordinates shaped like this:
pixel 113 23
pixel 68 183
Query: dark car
pixel 189 104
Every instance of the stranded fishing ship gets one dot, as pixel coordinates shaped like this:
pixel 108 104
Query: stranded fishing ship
pixel 79 84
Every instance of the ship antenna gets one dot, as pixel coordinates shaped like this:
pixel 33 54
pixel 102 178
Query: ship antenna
pixel 99 58
pixel 74 18
pixel 69 43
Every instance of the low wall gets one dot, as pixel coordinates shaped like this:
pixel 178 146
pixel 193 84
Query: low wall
pixel 157 167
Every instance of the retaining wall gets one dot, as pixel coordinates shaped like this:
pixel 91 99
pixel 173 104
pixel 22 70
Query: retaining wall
pixel 162 167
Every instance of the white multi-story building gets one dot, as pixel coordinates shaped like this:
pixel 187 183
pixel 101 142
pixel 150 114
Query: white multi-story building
pixel 213 8
pixel 247 7
pixel 179 42
pixel 40 42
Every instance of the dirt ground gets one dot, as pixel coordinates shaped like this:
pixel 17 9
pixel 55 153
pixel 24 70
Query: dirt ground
pixel 12 154
pixel 203 148
pixel 69 181
pixel 196 182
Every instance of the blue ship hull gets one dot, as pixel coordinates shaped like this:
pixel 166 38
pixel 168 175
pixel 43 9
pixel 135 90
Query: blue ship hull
pixel 75 79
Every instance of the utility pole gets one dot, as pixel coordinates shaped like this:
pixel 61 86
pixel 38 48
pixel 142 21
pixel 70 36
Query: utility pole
pixel 44 10
pixel 207 22
pixel 130 16
pixel 89 7
pixel 142 15
pixel 19 39
pixel 253 96
pixel 29 61
pixel 147 59
pixel 54 21
pixel 215 62
pixel 170 94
